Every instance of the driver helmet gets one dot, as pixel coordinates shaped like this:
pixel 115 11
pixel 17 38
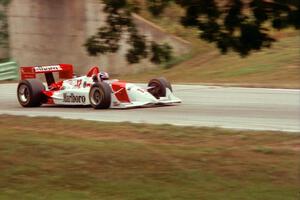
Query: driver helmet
pixel 103 76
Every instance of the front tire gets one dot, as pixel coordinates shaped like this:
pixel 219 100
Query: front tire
pixel 100 95
pixel 158 87
pixel 29 92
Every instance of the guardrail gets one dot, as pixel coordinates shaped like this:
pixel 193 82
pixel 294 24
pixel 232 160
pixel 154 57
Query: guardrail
pixel 9 71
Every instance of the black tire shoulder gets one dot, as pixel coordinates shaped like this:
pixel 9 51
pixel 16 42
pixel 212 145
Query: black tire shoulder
pixel 162 83
pixel 35 96
pixel 105 91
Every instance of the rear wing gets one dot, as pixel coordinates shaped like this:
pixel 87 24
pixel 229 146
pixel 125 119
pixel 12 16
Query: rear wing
pixel 65 72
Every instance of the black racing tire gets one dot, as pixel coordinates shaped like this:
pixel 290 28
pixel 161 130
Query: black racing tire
pixel 30 93
pixel 159 87
pixel 100 95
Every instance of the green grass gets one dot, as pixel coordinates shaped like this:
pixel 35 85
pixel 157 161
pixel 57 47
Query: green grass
pixel 51 158
pixel 275 67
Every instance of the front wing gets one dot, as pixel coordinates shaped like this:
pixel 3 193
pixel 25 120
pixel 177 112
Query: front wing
pixel 170 98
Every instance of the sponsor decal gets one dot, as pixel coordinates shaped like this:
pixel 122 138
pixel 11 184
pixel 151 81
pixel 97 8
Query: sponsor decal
pixel 71 98
pixel 78 83
pixel 47 68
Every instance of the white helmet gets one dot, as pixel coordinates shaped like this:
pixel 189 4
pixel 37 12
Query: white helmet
pixel 103 76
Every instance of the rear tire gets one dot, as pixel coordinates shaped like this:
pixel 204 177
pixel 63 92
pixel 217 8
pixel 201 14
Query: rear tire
pixel 30 93
pixel 159 87
pixel 100 95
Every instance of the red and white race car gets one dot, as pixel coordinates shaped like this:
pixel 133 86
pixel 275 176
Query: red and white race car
pixel 95 89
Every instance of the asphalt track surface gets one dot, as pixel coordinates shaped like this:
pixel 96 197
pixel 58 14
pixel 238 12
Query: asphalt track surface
pixel 227 107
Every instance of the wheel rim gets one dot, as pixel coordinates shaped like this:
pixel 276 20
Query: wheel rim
pixel 24 94
pixel 97 96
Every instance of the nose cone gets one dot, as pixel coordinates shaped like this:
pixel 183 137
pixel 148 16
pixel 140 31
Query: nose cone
pixel 146 96
pixel 141 95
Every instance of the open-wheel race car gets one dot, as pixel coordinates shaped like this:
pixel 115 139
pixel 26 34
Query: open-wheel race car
pixel 95 89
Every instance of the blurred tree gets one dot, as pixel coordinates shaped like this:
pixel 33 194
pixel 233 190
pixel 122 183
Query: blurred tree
pixel 3 22
pixel 119 24
pixel 238 25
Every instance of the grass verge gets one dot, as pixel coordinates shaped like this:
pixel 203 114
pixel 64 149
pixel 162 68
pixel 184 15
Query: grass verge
pixel 277 67
pixel 52 158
